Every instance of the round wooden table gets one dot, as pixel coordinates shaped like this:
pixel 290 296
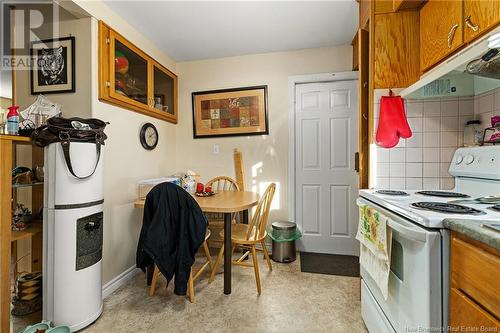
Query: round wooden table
pixel 226 202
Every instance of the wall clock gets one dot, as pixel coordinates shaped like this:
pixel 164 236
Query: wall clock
pixel 149 136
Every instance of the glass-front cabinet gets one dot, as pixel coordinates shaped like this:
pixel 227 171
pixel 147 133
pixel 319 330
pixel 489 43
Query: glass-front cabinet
pixel 130 78
pixel 164 90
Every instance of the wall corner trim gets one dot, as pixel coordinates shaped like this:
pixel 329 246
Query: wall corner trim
pixel 119 281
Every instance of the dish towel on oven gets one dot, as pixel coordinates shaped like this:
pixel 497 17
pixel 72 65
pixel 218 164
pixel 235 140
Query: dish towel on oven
pixel 375 246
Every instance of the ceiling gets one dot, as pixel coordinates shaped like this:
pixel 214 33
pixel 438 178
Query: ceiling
pixel 192 30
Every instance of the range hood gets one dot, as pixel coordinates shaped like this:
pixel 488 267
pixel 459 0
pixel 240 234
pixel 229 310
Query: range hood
pixel 451 77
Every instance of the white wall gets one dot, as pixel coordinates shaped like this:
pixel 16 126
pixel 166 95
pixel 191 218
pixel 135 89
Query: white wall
pixel 127 162
pixel 5 84
pixel 100 11
pixel 73 104
pixel 265 157
pixel 487 105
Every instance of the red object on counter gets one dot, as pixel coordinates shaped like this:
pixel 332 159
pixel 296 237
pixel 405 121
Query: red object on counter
pixel 392 124
pixel 199 188
pixel 208 189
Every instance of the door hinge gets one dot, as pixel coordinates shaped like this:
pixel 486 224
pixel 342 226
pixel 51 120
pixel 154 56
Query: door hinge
pixel 108 84
pixel 356 161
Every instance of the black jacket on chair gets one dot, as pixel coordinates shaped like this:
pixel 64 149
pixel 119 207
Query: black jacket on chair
pixel 173 230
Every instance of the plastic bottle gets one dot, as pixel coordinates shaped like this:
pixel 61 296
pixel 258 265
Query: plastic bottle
pixel 473 133
pixel 13 120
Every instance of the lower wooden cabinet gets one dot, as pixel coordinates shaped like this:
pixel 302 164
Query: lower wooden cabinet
pixel 475 280
pixel 464 312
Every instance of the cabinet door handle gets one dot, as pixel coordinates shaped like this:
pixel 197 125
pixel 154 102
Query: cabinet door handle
pixel 451 34
pixel 471 25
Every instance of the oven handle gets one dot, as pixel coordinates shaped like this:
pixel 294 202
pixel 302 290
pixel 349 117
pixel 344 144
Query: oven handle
pixel 405 229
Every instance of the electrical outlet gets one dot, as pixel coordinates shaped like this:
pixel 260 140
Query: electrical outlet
pixel 216 149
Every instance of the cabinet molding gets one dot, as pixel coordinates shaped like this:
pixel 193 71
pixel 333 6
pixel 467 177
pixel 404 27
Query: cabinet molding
pixel 107 91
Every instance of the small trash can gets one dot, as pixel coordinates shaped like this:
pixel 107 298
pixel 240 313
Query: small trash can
pixel 284 235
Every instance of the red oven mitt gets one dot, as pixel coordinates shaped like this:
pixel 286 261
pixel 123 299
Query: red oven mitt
pixel 392 123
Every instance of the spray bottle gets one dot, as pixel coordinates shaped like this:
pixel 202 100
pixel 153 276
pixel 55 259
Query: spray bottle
pixel 13 120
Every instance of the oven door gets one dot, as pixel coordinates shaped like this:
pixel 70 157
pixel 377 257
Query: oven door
pixel 414 299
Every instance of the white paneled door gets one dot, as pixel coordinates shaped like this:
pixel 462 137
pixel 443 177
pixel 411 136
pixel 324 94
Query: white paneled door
pixel 326 182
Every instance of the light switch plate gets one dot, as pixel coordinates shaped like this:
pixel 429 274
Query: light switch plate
pixel 216 149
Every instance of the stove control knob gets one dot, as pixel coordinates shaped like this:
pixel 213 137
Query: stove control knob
pixel 459 158
pixel 469 159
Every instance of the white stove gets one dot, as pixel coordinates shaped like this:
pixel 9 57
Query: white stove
pixel 403 205
pixel 419 277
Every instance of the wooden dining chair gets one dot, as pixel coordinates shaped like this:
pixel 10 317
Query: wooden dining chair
pixel 216 220
pixel 223 183
pixel 192 275
pixel 247 236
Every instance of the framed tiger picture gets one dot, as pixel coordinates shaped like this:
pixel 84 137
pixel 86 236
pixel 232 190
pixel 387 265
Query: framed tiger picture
pixel 53 66
pixel 230 112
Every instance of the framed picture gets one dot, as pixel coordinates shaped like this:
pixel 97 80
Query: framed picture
pixel 230 112
pixel 53 67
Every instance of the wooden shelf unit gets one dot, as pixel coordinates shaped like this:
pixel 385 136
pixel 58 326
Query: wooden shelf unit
pixel 8 237
pixel 33 229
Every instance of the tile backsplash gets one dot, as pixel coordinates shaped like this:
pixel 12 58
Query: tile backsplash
pixel 422 161
pixel 486 106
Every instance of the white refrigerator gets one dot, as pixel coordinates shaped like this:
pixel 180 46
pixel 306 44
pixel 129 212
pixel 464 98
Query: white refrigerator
pixel 73 236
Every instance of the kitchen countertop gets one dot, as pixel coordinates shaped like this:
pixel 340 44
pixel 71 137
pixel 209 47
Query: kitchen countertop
pixel 473 229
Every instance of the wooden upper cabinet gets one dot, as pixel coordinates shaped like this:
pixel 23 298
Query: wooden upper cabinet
pixel 128 72
pixel 396 50
pixel 441 31
pixel 479 17
pixel 131 79
pixel 164 90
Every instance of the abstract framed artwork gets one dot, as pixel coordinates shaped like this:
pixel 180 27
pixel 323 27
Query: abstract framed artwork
pixel 230 112
pixel 53 69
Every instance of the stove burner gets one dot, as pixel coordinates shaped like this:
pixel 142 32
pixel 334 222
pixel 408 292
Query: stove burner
pixel 496 207
pixel 391 192
pixel 443 194
pixel 443 207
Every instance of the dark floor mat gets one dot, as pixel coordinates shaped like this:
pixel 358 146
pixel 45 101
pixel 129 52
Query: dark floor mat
pixel 332 264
